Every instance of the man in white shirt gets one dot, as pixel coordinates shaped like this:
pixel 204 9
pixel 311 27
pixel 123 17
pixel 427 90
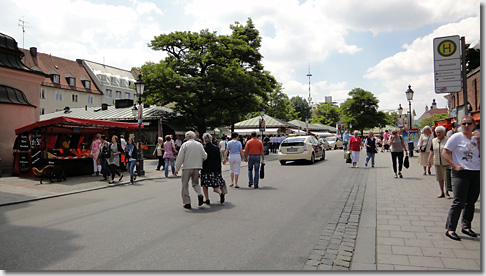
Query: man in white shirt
pixel 223 144
pixel 192 155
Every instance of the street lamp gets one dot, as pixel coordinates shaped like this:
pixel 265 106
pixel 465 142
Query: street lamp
pixel 409 94
pixel 400 110
pixel 262 121
pixel 139 86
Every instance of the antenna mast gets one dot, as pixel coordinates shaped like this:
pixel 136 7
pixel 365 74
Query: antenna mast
pixel 22 24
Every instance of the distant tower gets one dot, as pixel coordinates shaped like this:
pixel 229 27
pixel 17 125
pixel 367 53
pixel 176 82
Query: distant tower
pixel 434 105
pixel 310 98
pixel 328 99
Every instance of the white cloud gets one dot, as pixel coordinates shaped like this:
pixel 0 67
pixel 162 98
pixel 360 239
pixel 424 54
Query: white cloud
pixel 415 66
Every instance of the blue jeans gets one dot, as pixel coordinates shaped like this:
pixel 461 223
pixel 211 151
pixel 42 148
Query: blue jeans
pixel 166 166
pixel 253 161
pixel 131 169
pixel 372 156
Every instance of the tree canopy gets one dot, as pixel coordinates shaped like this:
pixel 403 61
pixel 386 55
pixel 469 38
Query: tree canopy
pixel 211 79
pixel 301 107
pixel 327 114
pixel 361 110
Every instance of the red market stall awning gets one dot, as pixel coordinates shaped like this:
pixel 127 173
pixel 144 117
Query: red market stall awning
pixel 73 123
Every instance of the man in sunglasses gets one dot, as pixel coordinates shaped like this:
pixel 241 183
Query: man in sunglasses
pixel 462 152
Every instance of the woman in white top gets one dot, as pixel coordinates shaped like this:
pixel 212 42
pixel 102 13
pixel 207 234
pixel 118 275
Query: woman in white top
pixel 235 151
pixel 423 145
pixel 462 151
pixel 440 163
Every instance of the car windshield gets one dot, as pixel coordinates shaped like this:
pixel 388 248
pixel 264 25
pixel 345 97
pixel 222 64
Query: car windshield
pixel 294 140
pixel 331 139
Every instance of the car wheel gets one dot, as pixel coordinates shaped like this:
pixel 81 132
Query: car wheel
pixel 313 158
pixel 282 162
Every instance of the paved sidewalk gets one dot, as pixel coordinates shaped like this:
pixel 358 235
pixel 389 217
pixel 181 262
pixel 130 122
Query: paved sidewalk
pixel 383 223
pixel 15 190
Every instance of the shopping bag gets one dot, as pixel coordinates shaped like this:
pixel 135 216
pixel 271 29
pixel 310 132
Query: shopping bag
pixel 406 163
pixel 347 154
pixel 262 170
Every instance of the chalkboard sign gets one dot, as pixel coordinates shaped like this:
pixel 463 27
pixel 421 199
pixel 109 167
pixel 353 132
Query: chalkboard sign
pixel 24 143
pixel 24 162
pixel 36 138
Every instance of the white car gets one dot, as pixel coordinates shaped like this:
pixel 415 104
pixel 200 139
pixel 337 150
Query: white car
pixel 300 148
pixel 335 142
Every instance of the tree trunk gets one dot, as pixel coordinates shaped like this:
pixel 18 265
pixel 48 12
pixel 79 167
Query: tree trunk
pixel 201 129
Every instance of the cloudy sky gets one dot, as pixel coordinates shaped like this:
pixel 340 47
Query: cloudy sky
pixel 381 46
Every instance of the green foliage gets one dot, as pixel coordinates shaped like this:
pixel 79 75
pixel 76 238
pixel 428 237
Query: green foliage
pixel 431 120
pixel 361 110
pixel 211 79
pixel 473 58
pixel 326 114
pixel 302 108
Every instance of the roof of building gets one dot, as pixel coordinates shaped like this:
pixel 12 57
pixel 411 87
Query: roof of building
pixel 10 55
pixel 432 112
pixel 315 126
pixel 110 71
pixel 269 122
pixel 65 68
pixel 11 95
pixel 111 113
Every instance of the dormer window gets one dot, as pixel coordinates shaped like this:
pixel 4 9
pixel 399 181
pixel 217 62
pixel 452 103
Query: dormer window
pixel 113 81
pixel 123 83
pixel 70 79
pixel 55 78
pixel 86 82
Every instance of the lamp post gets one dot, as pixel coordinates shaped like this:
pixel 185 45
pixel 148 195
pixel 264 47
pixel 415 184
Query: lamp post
pixel 400 111
pixel 409 94
pixel 262 122
pixel 139 86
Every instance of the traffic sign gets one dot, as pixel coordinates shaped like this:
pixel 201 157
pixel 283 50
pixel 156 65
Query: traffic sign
pixel 447 64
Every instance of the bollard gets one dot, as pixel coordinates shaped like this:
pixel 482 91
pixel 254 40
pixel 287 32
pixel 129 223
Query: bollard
pixel 410 148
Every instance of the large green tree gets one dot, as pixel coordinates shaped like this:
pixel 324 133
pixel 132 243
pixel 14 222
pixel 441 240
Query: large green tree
pixel 211 79
pixel 302 108
pixel 327 114
pixel 279 105
pixel 361 110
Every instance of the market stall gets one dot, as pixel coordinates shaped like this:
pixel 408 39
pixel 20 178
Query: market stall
pixel 61 141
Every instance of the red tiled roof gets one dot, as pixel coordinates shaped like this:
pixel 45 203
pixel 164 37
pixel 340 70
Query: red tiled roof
pixel 435 111
pixel 64 67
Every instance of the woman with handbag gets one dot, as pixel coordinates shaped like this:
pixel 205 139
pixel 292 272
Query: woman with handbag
pixel 211 171
pixel 371 148
pixel 131 159
pixel 235 151
pixel 436 158
pixel 424 144
pixel 397 147
pixel 355 146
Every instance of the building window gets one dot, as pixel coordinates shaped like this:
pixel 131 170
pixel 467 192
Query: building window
pixel 90 99
pixel 74 98
pixel 113 81
pixel 86 84
pixel 127 95
pixel 118 95
pixel 134 97
pixel 58 95
pixel 42 111
pixel 71 81
pixel 123 83
pixel 55 78
pixel 43 93
pixel 108 93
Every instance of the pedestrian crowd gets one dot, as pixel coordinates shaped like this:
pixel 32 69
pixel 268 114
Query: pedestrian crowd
pixel 455 155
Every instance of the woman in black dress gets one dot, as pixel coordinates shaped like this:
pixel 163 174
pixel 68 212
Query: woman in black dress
pixel 211 171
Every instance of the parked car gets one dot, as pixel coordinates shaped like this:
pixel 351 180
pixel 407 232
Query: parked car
pixel 324 143
pixel 300 148
pixel 335 142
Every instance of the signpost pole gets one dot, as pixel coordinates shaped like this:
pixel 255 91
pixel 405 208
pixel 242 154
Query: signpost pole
pixel 464 75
